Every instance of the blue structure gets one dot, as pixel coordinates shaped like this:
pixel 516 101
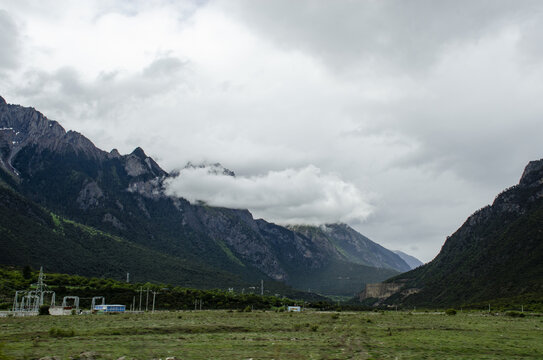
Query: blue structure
pixel 109 308
pixel 294 309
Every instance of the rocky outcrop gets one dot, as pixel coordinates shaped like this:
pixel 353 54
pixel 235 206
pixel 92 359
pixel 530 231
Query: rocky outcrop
pixel 90 196
pixel 108 218
pixel 533 174
pixel 152 189
pixel 380 290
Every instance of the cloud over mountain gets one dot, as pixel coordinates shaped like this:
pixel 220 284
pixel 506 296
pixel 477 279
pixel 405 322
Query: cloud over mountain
pixel 291 196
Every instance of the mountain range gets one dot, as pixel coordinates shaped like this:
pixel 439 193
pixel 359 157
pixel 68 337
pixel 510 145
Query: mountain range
pixel 71 207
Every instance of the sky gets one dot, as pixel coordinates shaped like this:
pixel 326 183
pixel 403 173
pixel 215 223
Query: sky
pixel 399 118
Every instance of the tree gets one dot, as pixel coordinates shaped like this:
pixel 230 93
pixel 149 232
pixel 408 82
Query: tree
pixel 27 272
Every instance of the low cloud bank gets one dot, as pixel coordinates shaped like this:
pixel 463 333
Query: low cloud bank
pixel 291 196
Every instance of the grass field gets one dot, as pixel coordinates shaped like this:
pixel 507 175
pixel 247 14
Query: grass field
pixel 271 335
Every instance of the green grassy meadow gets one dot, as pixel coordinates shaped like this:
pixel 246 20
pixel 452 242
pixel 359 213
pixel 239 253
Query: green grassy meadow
pixel 272 335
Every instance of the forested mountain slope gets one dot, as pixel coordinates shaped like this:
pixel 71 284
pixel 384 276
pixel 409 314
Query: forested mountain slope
pixel 496 253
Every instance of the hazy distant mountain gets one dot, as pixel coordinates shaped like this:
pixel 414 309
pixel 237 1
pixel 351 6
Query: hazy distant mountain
pixel 412 261
pixel 344 242
pixel 496 253
pixel 122 197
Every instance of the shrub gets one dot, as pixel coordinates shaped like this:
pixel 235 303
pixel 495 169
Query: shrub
pixel 27 272
pixel 314 327
pixel 450 312
pixel 247 309
pixel 44 310
pixel 335 316
pixel 514 314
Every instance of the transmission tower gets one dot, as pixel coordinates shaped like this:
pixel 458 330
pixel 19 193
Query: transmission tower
pixel 32 299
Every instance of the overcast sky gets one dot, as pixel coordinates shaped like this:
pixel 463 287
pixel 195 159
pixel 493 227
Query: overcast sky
pixel 400 118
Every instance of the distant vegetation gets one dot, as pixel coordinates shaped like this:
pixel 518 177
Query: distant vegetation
pixel 169 297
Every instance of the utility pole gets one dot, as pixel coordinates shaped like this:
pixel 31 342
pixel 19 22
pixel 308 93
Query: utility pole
pixel 262 287
pixel 127 277
pixel 141 291
pixel 133 303
pixel 147 301
pixel 154 295
pixel 40 287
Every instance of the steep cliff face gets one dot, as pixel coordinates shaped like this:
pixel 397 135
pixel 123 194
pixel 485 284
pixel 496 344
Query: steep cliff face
pixel 380 290
pixel 124 195
pixel 497 252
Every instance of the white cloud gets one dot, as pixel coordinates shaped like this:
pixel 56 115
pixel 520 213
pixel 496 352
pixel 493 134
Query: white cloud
pixel 9 38
pixel 290 196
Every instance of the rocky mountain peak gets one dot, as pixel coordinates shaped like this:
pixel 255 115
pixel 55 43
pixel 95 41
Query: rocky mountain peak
pixel 139 153
pixel 115 154
pixel 137 163
pixel 2 101
pixel 26 128
pixel 533 173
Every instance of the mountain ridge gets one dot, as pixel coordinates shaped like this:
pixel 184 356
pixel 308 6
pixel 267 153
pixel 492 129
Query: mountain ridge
pixel 352 246
pixel 123 195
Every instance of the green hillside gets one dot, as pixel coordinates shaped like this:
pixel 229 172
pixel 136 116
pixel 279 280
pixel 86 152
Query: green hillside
pixel 117 292
pixel 496 254
pixel 31 235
